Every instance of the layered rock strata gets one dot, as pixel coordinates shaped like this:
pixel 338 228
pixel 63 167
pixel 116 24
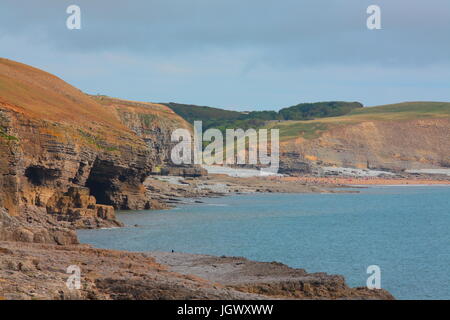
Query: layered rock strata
pixel 73 155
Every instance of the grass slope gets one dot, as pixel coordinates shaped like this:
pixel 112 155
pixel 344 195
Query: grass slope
pixel 67 112
pixel 222 119
pixel 193 113
pixel 393 112
pixel 45 96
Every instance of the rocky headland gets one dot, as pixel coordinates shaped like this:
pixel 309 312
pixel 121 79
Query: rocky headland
pixel 69 160
pixel 39 271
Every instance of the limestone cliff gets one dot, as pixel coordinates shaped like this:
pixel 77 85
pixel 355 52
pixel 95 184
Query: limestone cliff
pixel 408 136
pixel 152 122
pixel 54 137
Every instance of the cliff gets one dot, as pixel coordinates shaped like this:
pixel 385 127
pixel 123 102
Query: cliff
pixel 54 138
pixel 394 137
pixel 397 137
pixel 70 159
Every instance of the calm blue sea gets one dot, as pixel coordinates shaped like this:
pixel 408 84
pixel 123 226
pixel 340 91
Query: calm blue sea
pixel 403 230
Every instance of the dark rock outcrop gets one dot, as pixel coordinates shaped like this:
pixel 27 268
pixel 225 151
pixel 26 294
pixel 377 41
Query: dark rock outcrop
pixel 79 208
pixel 34 226
pixel 183 171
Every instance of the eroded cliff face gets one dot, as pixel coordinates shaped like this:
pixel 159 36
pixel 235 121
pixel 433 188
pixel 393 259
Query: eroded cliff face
pixel 393 145
pixel 53 138
pixel 153 123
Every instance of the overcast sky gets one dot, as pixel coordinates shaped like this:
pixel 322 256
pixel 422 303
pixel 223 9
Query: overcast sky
pixel 239 54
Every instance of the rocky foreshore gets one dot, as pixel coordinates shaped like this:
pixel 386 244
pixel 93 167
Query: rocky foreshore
pixel 39 244
pixel 39 271
pixel 169 191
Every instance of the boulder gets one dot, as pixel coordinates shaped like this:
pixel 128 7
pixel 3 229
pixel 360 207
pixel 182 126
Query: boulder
pixel 32 228
pixel 80 209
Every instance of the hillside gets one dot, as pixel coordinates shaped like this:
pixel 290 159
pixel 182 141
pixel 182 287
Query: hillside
pixel 402 136
pixel 223 119
pixel 395 112
pixel 408 135
pixel 194 113
pixel 211 117
pixel 309 111
pixel 53 138
pixel 152 122
pixel 407 110
pixel 69 114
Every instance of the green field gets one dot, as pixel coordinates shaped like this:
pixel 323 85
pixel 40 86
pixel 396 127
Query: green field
pixel 310 120
pixel 395 112
pixel 408 110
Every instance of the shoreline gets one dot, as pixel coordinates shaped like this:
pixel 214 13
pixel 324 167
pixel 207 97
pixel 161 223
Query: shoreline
pixel 202 269
pixel 169 191
pixel 376 181
pixel 41 270
pixel 108 274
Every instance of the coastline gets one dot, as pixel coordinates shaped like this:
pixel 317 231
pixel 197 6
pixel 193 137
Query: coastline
pixel 112 274
pixel 41 270
pixel 171 190
pixel 372 181
pixel 197 267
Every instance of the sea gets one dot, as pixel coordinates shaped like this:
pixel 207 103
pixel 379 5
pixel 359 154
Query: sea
pixel 402 230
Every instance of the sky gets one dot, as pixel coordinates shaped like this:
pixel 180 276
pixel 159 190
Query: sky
pixel 237 54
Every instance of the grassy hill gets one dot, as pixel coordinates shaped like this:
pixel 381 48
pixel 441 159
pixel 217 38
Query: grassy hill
pixel 149 115
pixel 44 96
pixel 310 120
pixel 309 111
pixel 193 112
pixel 223 119
pixel 68 113
pixel 406 110
pixel 396 136
pixel 394 112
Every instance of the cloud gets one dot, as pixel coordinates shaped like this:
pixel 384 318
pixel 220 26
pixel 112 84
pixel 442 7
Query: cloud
pixel 239 53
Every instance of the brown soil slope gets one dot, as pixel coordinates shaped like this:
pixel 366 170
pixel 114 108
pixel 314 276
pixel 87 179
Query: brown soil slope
pixel 53 137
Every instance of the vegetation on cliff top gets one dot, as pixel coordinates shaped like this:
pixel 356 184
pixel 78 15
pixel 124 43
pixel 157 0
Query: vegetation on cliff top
pixel 49 102
pixel 150 115
pixel 223 119
pixel 310 120
pixel 43 96
pixel 66 113
pixel 309 111
pixel 394 112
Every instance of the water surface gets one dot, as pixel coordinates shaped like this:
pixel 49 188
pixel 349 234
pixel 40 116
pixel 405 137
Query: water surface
pixel 404 230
